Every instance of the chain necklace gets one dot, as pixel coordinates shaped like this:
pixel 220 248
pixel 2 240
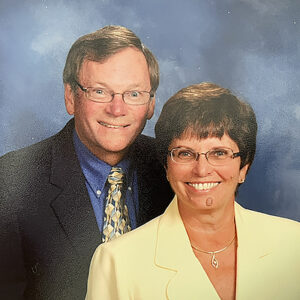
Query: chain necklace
pixel 214 261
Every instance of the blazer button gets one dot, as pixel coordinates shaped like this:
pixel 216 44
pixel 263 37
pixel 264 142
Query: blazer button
pixel 35 268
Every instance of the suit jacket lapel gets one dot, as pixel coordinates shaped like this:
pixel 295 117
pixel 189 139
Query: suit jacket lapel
pixel 188 280
pixel 72 206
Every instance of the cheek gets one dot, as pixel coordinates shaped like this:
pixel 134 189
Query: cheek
pixel 176 176
pixel 229 172
pixel 138 113
pixel 85 110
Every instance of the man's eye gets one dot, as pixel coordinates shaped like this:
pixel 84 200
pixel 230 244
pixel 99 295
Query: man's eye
pixel 134 94
pixel 99 91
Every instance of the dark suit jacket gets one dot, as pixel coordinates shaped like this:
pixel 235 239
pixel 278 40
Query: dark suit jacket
pixel 48 229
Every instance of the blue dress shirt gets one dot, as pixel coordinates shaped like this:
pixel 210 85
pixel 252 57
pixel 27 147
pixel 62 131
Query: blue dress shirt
pixel 96 173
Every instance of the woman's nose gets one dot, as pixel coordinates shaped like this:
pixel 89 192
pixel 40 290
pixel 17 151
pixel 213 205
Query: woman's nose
pixel 201 166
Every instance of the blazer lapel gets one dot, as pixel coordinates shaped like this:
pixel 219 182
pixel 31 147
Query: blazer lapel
pixel 174 253
pixel 253 252
pixel 72 206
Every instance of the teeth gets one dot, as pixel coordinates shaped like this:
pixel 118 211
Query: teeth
pixel 110 125
pixel 203 186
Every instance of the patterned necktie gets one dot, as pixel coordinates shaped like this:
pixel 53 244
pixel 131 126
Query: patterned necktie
pixel 116 219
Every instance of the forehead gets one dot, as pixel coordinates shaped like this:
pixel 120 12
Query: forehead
pixel 192 141
pixel 126 67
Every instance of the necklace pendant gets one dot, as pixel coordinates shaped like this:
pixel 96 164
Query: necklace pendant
pixel 214 261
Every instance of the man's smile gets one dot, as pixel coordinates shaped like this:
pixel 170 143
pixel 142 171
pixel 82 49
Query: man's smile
pixel 115 126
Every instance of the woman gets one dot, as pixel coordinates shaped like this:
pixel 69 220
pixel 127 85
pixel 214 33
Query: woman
pixel 205 245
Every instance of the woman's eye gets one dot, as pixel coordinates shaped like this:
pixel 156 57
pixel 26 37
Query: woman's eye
pixel 219 152
pixel 185 154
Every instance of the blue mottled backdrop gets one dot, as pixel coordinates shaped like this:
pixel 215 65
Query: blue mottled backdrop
pixel 249 46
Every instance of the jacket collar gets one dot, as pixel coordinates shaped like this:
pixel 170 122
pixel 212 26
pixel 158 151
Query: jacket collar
pixel 174 253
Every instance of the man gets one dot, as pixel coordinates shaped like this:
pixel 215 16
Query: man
pixel 55 194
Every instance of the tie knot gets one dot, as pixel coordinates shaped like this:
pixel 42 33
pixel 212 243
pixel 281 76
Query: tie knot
pixel 115 176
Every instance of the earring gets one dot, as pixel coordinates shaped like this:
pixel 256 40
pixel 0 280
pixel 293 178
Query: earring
pixel 242 180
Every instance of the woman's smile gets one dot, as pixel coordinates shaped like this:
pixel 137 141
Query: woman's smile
pixel 205 186
pixel 194 181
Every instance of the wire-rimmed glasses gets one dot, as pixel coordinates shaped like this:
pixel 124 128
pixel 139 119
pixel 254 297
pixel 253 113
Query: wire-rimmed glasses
pixel 102 95
pixel 215 157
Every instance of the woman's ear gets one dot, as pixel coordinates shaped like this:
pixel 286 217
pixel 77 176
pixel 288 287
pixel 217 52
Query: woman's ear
pixel 243 173
pixel 166 170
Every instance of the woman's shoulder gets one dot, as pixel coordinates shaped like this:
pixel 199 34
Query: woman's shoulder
pixel 266 217
pixel 270 225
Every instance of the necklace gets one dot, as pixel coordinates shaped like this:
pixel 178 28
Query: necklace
pixel 214 261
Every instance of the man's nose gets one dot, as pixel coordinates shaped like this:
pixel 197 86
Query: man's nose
pixel 117 107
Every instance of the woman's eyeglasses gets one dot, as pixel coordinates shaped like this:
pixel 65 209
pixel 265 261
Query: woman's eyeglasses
pixel 216 157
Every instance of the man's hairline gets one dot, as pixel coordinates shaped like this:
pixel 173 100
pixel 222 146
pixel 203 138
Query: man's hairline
pixel 85 59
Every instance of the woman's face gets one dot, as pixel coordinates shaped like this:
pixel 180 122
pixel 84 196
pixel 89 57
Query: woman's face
pixel 200 185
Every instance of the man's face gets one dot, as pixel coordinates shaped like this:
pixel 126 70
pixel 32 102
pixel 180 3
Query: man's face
pixel 107 129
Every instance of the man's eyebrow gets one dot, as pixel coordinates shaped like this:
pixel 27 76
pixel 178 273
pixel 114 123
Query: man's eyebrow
pixel 131 87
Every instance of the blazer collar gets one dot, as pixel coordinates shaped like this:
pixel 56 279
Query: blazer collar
pixel 189 280
pixel 72 206
pixel 174 253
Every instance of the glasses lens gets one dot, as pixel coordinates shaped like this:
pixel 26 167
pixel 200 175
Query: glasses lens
pixel 183 156
pixel 219 156
pixel 136 97
pixel 98 94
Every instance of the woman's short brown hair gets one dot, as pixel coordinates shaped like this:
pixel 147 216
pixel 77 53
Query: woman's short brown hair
pixel 207 110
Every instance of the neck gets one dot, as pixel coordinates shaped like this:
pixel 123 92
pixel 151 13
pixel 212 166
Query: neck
pixel 109 157
pixel 209 229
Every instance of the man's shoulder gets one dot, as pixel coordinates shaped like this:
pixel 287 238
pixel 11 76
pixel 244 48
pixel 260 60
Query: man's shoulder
pixel 30 168
pixel 144 142
pixel 143 150
pixel 27 153
pixel 31 155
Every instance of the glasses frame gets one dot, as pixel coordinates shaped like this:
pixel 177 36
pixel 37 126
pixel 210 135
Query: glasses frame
pixel 170 152
pixel 86 90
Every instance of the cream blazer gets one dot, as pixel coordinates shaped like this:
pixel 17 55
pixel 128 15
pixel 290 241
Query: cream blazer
pixel 156 261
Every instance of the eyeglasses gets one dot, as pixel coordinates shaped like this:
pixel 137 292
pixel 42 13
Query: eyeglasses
pixel 102 95
pixel 215 157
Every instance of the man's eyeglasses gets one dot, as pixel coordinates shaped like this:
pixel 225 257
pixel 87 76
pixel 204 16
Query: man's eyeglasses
pixel 216 157
pixel 102 95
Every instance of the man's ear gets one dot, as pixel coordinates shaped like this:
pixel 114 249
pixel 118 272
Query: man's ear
pixel 69 99
pixel 151 108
